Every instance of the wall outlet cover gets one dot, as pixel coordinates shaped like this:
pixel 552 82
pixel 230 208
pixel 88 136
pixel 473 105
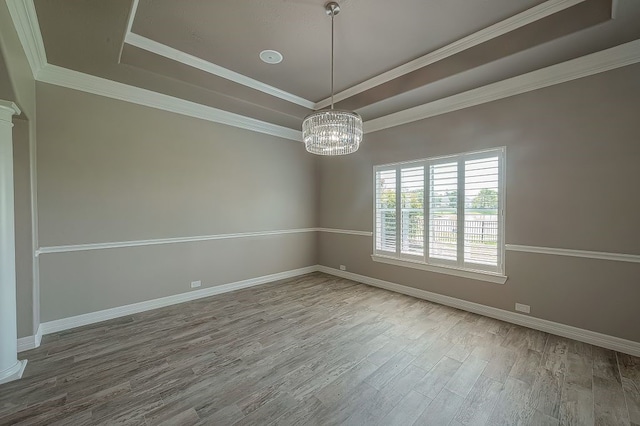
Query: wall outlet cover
pixel 343 268
pixel 523 308
pixel 195 284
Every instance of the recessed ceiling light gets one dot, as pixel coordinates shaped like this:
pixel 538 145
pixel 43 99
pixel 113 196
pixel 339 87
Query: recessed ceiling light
pixel 271 56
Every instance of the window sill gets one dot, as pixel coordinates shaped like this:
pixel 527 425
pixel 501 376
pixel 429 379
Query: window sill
pixel 465 273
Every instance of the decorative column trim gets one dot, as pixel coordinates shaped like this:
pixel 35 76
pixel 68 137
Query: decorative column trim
pixel 10 367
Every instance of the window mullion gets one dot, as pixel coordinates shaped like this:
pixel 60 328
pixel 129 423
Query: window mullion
pixel 460 215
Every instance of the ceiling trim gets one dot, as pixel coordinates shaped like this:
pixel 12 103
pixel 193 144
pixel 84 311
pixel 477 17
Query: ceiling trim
pixel 595 63
pixel 211 68
pixel 64 77
pixel 9 108
pixel 503 27
pixel 132 16
pixel 25 20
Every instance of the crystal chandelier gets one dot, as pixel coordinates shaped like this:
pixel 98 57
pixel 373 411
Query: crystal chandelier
pixel 332 132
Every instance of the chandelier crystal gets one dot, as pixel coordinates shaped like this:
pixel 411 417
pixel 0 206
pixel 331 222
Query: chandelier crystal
pixel 332 132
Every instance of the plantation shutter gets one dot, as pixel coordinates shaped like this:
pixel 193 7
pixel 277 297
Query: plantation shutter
pixel 443 212
pixel 412 210
pixel 385 208
pixel 481 211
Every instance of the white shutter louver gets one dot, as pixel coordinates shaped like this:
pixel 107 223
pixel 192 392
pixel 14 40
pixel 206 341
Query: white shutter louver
pixel 386 210
pixel 443 211
pixel 412 210
pixel 481 188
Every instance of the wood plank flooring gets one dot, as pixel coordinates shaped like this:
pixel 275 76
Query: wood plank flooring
pixel 319 350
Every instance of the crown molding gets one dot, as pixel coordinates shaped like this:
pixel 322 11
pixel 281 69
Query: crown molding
pixel 595 63
pixel 26 23
pixel 132 16
pixel 510 24
pixel 9 108
pixel 24 17
pixel 59 76
pixel 503 27
pixel 211 68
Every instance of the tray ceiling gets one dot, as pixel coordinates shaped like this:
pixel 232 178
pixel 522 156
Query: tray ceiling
pixel 178 48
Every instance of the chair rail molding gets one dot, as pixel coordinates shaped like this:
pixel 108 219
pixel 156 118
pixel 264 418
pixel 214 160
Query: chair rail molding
pixel 159 241
pixel 619 257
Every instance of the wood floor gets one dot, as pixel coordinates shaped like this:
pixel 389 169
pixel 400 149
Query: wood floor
pixel 319 350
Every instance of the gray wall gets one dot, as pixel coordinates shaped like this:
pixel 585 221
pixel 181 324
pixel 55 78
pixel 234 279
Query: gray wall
pixel 572 179
pixel 114 171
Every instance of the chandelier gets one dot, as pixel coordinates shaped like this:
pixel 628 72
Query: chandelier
pixel 332 131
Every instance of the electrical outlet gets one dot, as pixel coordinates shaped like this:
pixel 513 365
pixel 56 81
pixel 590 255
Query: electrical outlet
pixel 343 268
pixel 195 284
pixel 523 308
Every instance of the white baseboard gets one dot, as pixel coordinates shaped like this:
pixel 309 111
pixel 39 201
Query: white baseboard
pixel 30 342
pixel 107 314
pixel 14 373
pixel 586 336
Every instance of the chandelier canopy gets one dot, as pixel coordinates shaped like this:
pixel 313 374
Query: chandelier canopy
pixel 332 132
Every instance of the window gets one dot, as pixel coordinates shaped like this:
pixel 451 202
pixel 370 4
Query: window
pixel 444 212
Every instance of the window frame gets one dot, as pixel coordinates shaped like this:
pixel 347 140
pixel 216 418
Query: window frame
pixel 459 267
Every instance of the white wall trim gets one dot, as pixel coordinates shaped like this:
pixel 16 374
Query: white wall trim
pixel 107 314
pixel 25 20
pixel 519 20
pixel 496 30
pixel 26 24
pixel 605 60
pixel 211 68
pixel 345 231
pixel 619 257
pixel 159 241
pixel 587 336
pixel 458 272
pixel 30 342
pixel 132 17
pixel 59 76
pixel 10 109
pixel 500 279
